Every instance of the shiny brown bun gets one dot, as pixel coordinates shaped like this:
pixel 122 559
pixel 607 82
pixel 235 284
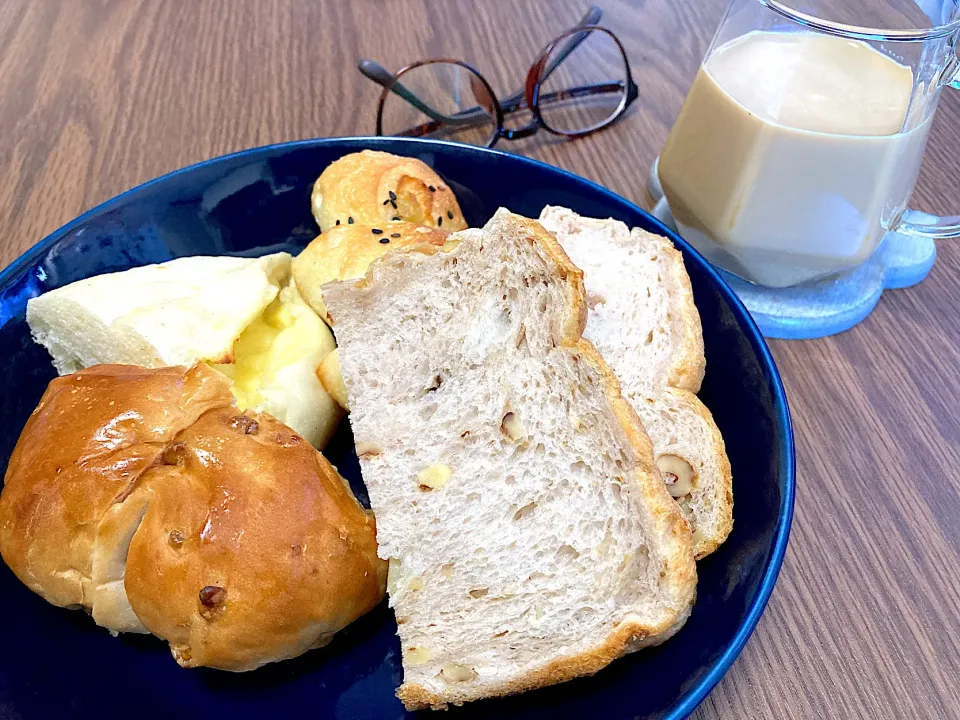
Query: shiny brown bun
pixel 376 188
pixel 63 510
pixel 145 497
pixel 346 251
pixel 253 548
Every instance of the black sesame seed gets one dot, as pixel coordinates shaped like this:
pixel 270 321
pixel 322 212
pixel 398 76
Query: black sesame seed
pixel 450 214
pixel 393 196
pixel 394 235
pixel 394 203
pixel 384 241
pixel 440 221
pixel 431 188
pixel 350 221
pixel 338 222
pixel 377 231
pixel 395 217
pixel 386 201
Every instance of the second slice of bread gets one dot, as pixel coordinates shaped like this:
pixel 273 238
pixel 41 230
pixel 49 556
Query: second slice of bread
pixel 529 536
pixel 643 319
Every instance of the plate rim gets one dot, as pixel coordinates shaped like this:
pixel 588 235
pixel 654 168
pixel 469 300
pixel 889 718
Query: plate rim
pixel 688 701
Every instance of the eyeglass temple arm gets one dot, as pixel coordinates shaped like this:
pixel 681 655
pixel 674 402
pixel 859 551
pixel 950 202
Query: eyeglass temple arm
pixel 593 16
pixel 383 77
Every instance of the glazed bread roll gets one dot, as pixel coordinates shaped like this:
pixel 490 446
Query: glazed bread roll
pixel 346 251
pixel 63 519
pixel 376 188
pixel 145 497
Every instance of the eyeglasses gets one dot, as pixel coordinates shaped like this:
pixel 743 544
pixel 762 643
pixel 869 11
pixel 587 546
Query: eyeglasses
pixel 579 83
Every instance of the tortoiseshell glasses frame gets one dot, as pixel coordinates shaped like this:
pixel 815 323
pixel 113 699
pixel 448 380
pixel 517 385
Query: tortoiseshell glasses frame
pixel 531 97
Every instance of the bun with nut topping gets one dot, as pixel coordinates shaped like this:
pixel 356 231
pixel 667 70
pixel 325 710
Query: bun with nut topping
pixel 145 497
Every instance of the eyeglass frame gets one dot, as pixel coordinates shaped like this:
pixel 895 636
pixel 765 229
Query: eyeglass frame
pixel 538 73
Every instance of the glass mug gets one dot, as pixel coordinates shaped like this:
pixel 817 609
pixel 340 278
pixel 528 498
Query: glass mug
pixel 800 141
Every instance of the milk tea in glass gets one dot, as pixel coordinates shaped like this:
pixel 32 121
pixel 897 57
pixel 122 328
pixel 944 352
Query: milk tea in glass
pixel 800 141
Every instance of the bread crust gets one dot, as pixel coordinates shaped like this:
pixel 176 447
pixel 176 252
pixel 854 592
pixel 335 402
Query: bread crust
pixel 374 188
pixel 674 537
pixel 684 379
pixel 689 364
pixel 703 544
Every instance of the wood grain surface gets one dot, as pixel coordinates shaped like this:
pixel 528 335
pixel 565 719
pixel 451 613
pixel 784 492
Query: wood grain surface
pixel 98 96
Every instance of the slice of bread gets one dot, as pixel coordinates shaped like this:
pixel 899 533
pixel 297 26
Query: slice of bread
pixel 643 320
pixel 529 535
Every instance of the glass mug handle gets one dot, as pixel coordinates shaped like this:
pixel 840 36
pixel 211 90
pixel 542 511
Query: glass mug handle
pixel 921 224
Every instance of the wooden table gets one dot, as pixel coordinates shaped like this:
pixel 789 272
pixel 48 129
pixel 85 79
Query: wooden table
pixel 97 96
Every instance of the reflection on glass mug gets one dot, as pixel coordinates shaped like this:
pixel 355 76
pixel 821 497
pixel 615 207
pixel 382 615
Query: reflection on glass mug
pixel 800 141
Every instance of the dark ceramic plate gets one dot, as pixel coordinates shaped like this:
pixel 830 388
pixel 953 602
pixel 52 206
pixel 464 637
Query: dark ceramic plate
pixel 57 664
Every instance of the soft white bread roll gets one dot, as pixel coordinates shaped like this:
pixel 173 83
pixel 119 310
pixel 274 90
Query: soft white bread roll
pixel 173 313
pixel 243 314
pixel 643 319
pixel 345 252
pixel 530 537
pixel 377 188
pixel 276 367
pixel 145 497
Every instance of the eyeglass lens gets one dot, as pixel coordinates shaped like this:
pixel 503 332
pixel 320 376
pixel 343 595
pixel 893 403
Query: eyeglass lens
pixel 588 87
pixel 454 104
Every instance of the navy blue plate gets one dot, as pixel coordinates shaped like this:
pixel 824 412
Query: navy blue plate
pixel 57 663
